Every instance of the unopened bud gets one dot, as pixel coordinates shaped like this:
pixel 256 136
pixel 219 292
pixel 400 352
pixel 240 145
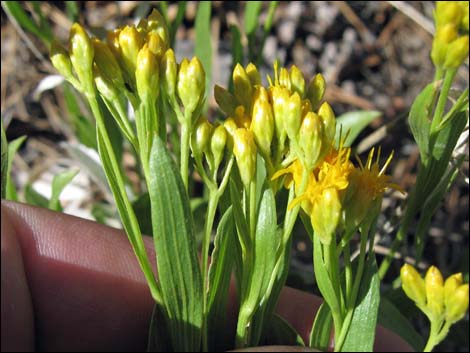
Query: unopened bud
pixel 243 89
pixel 448 12
pixel 325 215
pixel 444 35
pixel 262 123
pixel 156 24
pixel 218 142
pixel 244 149
pixel 191 84
pixel 328 119
pixel 61 60
pixel 457 305
pixel 253 74
pixel 107 63
pixel 293 116
pixel 130 43
pixel 156 44
pixel 434 291
pixel 81 55
pixel 413 285
pixel 280 97
pixel 297 80
pixel 451 284
pixel 457 52
pixel 169 72
pixel 310 135
pixel 147 75
pixel 200 138
pixel 316 90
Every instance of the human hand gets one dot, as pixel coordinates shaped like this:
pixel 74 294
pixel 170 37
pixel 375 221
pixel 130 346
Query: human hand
pixel 72 284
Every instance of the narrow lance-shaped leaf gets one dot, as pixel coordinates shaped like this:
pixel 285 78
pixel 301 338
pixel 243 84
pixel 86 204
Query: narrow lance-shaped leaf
pixel 220 273
pixel 13 148
pixel 175 246
pixel 361 333
pixel 352 123
pixel 4 157
pixel 59 182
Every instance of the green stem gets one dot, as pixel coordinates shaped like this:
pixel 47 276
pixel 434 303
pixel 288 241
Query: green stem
pixel 184 160
pixel 210 215
pixel 441 103
pixel 348 270
pixel 331 264
pixel 252 208
pixel 132 227
pixel 437 334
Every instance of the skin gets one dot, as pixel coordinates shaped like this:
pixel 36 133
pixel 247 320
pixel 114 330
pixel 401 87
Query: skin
pixel 72 284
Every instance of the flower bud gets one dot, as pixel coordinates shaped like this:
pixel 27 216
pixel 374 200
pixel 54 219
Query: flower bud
pixel 156 24
pixel 328 119
pixel 447 12
pixel 444 35
pixel 464 21
pixel 316 90
pixel 230 127
pixel 244 149
pixel 310 139
pixel 218 142
pixel 457 304
pixel 451 284
pixel 413 285
pixel 130 43
pixel 325 215
pixel 226 101
pixel 434 291
pixel 262 122
pixel 242 119
pixel 243 89
pixel 457 52
pixel 253 74
pixel 284 79
pixel 191 84
pixel 81 55
pixel 169 72
pixel 147 75
pixel 297 80
pixel 104 85
pixel 112 38
pixel 293 116
pixel 280 97
pixel 61 60
pixel 200 137
pixel 156 44
pixel 107 63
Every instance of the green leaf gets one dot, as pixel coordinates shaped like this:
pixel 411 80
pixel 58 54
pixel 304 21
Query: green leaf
pixel 141 208
pixel 158 332
pixel 419 119
pixel 237 53
pixel 32 197
pixel 59 182
pixel 14 9
pixel 352 123
pixel 177 261
pixel 203 47
pixel 321 273
pixel 85 129
pixel 266 244
pixel 321 330
pixel 72 10
pixel 361 333
pixel 4 157
pixel 220 272
pixel 13 148
pixel 280 332
pixel 391 318
pixel 240 221
pixel 177 21
pixel 252 11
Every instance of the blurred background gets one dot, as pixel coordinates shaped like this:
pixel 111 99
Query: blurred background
pixel 374 56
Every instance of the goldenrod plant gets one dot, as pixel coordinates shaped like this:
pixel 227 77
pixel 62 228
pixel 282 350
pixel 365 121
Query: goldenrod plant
pixel 444 303
pixel 435 128
pixel 275 139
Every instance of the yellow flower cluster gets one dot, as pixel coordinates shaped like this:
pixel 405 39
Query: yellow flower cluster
pixel 450 44
pixel 135 60
pixel 276 120
pixel 440 301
